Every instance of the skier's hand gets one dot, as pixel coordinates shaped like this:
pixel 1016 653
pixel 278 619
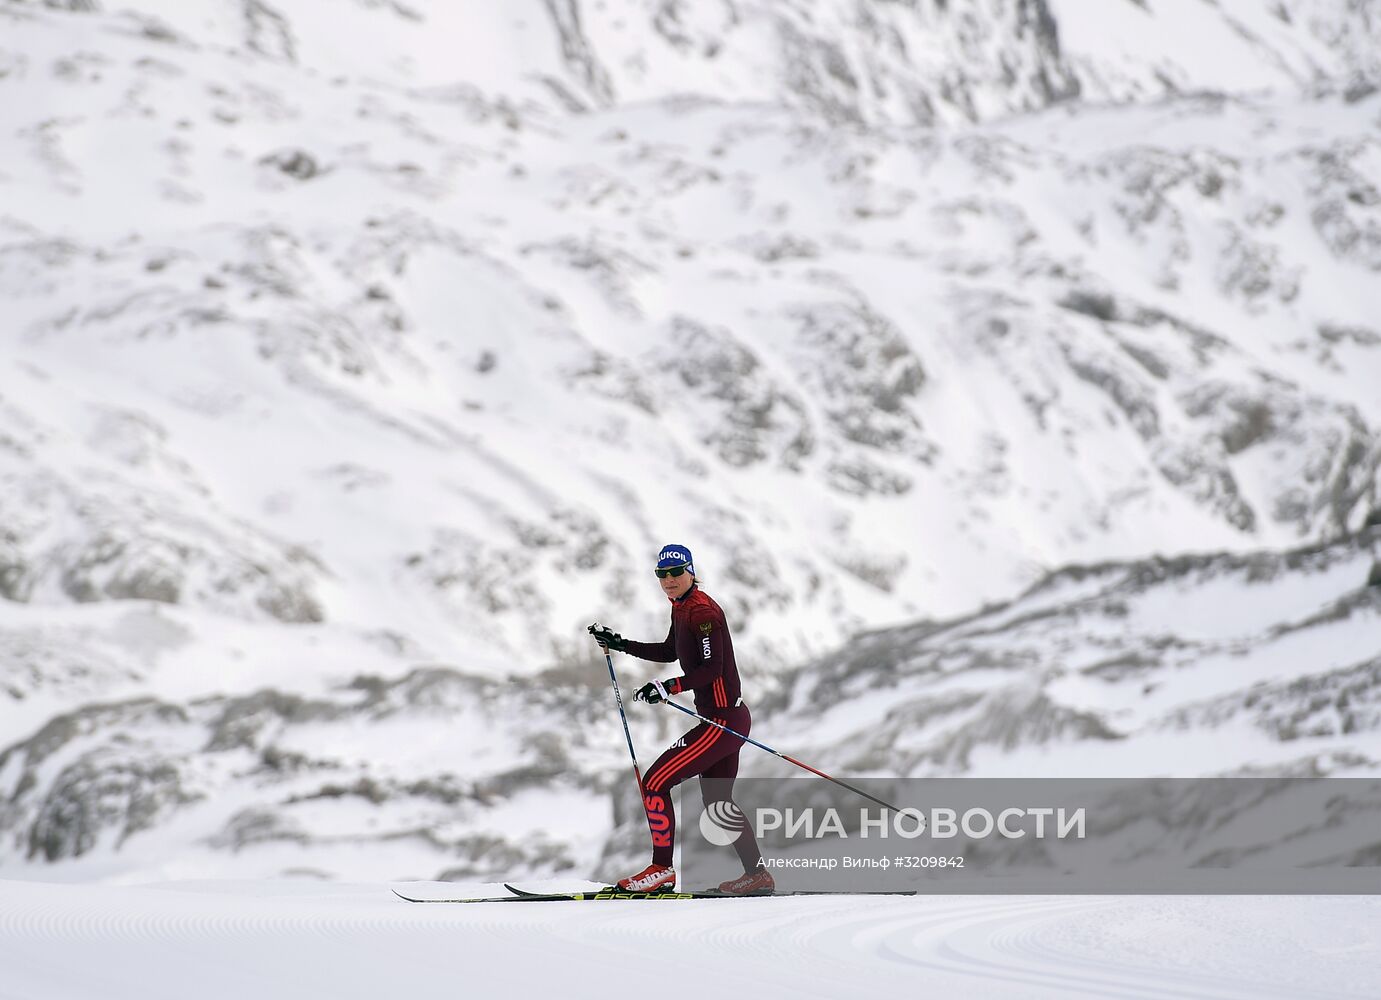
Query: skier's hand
pixel 607 639
pixel 652 692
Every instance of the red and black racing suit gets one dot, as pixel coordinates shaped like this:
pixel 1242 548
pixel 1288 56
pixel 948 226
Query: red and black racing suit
pixel 699 639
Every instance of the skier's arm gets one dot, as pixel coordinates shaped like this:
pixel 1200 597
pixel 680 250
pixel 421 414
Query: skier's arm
pixel 658 652
pixel 709 661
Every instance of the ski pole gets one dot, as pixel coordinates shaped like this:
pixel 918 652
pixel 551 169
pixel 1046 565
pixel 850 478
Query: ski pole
pixel 614 680
pixel 617 698
pixel 628 737
pixel 786 757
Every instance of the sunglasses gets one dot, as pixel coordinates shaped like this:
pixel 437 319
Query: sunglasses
pixel 673 571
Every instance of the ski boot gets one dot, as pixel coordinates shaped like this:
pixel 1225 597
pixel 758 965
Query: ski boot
pixel 758 883
pixel 653 878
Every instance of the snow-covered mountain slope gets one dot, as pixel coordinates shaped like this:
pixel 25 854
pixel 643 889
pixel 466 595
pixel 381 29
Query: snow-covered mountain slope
pixel 1214 664
pixel 862 61
pixel 356 355
pixel 289 345
pixel 294 939
pixel 1219 665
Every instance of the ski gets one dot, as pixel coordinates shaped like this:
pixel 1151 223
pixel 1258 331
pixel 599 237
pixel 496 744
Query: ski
pixel 713 893
pixel 611 893
pixel 549 897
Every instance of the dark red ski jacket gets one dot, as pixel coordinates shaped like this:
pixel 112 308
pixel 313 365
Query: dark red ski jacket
pixel 699 639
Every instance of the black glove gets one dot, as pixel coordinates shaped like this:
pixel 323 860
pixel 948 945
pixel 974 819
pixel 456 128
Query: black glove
pixel 652 692
pixel 608 639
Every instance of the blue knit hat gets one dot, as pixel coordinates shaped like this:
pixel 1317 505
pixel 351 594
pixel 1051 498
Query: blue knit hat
pixel 675 555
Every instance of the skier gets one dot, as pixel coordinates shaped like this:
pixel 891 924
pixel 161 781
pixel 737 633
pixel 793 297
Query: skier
pixel 699 639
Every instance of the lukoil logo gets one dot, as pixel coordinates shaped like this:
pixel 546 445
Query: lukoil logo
pixel 722 822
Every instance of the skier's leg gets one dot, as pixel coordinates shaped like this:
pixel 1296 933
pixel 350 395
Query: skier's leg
pixel 702 747
pixel 717 785
pixel 661 777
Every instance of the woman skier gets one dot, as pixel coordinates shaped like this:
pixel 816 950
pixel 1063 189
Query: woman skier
pixel 699 639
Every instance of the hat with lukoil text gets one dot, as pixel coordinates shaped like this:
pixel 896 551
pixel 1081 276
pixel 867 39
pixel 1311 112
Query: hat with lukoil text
pixel 672 556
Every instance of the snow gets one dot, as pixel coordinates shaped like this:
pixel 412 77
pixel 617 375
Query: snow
pixel 293 414
pixel 302 938
pixel 442 391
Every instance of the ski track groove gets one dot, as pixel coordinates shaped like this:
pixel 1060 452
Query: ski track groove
pixel 1201 983
pixel 928 944
pixel 986 948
